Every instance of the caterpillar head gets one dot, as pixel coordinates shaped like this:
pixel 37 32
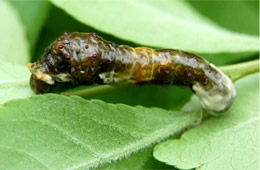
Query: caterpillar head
pixel 52 68
pixel 40 81
pixel 70 58
pixel 49 70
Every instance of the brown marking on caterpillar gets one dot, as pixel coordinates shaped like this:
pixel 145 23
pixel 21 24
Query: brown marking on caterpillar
pixel 85 58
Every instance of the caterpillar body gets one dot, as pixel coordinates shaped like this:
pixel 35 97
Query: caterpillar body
pixel 85 58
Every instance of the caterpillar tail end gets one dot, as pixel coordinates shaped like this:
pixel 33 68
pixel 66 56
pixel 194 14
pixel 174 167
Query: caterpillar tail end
pixel 219 99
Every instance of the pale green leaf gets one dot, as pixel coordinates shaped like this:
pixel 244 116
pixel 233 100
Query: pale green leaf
pixel 13 43
pixel 230 141
pixel 169 24
pixel 58 132
pixel 14 82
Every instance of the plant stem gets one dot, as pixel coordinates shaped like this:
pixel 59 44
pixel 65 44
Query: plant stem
pixel 90 91
pixel 235 71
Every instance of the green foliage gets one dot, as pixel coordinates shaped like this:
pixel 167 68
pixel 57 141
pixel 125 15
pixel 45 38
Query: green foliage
pixel 231 16
pixel 13 44
pixel 153 25
pixel 75 132
pixel 227 142
pixel 33 15
pixel 57 132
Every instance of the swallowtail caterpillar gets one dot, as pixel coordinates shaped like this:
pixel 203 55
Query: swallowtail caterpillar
pixel 85 58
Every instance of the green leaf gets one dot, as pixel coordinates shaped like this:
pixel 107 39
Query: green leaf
pixel 151 23
pixel 230 141
pixel 13 44
pixel 58 132
pixel 14 82
pixel 33 15
pixel 231 14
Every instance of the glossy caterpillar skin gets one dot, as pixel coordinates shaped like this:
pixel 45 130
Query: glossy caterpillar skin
pixel 85 58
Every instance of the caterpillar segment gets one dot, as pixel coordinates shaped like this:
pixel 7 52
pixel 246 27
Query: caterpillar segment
pixel 85 58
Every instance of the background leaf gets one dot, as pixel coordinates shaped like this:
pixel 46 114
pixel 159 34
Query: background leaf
pixel 13 43
pixel 147 23
pixel 33 15
pixel 231 14
pixel 14 82
pixel 230 141
pixel 79 133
